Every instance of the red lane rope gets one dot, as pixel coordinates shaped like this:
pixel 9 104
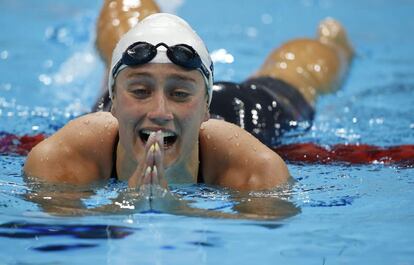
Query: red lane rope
pixel 351 153
pixel 308 153
pixel 20 145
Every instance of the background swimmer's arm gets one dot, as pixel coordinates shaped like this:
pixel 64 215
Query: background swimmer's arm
pixel 234 158
pixel 79 153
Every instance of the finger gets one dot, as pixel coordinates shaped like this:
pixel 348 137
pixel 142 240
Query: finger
pixel 147 177
pixel 151 141
pixel 159 146
pixel 159 138
pixel 156 164
pixel 150 156
pixel 159 153
pixel 143 173
pixel 159 160
pixel 154 176
pixel 138 178
pixel 157 179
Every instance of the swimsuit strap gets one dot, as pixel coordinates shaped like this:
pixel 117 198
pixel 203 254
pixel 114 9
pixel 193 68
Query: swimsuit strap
pixel 200 178
pixel 114 174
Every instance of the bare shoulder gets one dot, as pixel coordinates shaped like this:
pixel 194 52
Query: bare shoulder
pixel 234 158
pixel 79 153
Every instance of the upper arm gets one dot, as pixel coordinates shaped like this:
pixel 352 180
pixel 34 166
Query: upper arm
pixel 79 153
pixel 238 160
pixel 56 163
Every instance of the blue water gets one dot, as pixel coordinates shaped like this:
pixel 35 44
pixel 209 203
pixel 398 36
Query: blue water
pixel 50 73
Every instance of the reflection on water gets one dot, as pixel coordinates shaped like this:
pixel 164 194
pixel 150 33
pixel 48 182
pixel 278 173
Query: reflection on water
pixel 26 230
pixel 34 230
pixel 186 200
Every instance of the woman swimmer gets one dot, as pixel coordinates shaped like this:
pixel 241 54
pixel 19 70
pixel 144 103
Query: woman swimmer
pixel 160 90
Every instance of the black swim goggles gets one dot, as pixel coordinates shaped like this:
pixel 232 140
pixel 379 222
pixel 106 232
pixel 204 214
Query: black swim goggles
pixel 143 52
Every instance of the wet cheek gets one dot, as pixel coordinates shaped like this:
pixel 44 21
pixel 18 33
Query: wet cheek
pixel 128 116
pixel 191 112
pixel 192 116
pixel 128 109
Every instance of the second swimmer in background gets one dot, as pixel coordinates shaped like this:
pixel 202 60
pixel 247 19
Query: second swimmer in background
pixel 275 99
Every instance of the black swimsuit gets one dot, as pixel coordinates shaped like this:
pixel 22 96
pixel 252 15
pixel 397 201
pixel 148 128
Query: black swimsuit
pixel 265 107
pixel 114 174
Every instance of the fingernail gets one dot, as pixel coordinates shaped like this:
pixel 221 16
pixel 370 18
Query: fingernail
pixel 148 171
pixel 157 147
pixel 154 170
pixel 152 148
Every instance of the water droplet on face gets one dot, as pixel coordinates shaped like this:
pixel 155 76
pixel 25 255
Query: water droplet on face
pixel 237 144
pixel 236 135
pixel 87 122
pixel 208 136
pixel 202 127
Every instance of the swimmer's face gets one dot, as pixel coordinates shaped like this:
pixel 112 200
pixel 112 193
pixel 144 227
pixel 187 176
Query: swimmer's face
pixel 163 97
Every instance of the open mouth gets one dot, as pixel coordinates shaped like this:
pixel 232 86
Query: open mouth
pixel 169 137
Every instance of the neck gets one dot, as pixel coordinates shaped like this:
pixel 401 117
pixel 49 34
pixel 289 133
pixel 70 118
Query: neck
pixel 186 169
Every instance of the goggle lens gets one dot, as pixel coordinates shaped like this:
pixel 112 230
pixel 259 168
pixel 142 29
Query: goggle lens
pixel 143 52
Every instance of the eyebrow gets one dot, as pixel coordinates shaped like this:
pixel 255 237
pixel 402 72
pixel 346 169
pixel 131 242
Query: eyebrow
pixel 177 77
pixel 140 74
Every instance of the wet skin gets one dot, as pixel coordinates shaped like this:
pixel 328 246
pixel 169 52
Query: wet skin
pixel 147 99
pixel 159 108
pixel 160 114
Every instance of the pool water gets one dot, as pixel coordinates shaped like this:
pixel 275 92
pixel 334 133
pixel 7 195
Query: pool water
pixel 349 214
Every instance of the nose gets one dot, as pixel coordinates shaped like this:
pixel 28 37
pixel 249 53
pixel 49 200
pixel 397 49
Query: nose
pixel 160 112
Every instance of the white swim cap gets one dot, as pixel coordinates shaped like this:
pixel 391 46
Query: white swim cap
pixel 162 28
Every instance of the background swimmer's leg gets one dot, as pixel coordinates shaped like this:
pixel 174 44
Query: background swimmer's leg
pixel 115 19
pixel 312 66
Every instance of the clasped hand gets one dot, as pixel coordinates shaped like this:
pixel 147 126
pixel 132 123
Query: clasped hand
pixel 150 169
